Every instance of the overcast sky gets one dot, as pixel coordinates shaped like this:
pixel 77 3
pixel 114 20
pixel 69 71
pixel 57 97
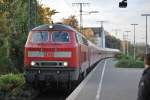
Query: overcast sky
pixel 117 18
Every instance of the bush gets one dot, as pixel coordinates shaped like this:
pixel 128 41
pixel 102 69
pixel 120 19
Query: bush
pixel 10 82
pixel 122 63
pixel 13 87
pixel 138 64
pixel 130 63
pixel 120 56
pixel 125 61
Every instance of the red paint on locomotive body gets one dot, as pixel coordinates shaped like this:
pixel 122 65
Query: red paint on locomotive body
pixel 58 52
pixel 50 48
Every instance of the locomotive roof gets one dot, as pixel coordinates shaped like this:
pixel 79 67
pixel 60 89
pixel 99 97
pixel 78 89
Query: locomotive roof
pixel 56 26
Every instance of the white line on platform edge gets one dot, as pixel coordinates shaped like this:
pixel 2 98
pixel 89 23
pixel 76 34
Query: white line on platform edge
pixel 76 92
pixel 100 83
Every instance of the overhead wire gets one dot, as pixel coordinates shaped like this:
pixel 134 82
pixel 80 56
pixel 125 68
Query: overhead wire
pixel 70 6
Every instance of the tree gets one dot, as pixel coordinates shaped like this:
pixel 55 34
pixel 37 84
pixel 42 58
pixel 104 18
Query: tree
pixel 72 21
pixel 14 31
pixel 113 42
pixel 45 14
pixel 89 34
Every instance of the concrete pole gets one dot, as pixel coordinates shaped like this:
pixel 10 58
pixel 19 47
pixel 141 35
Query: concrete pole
pixel 146 38
pixel 127 41
pixel 134 40
pixel 146 48
pixel 81 13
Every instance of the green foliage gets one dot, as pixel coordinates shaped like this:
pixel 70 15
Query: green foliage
pixel 13 87
pixel 113 42
pixel 72 21
pixel 44 14
pixel 11 82
pixel 125 63
pixel 121 56
pixel 14 31
pixel 128 62
pixel 9 21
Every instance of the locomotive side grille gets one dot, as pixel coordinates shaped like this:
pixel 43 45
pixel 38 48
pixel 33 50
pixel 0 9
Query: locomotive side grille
pixel 48 64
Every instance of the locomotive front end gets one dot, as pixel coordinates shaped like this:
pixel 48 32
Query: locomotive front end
pixel 50 56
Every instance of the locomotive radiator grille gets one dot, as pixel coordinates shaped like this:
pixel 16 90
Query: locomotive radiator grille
pixel 49 64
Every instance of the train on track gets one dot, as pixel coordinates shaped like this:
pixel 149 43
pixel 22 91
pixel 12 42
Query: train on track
pixel 59 53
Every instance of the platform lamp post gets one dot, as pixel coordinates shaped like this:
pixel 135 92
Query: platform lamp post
pixel 89 13
pixel 127 42
pixel 146 48
pixel 134 39
pixel 123 44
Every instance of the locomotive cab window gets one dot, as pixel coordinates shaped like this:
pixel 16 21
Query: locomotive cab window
pixel 60 36
pixel 79 38
pixel 85 41
pixel 82 40
pixel 38 37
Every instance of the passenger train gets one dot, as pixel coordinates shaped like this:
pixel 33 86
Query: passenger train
pixel 59 53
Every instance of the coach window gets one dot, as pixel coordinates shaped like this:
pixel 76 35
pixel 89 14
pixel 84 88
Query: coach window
pixel 38 37
pixel 60 36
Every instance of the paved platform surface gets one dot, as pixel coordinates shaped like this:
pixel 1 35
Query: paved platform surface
pixel 106 82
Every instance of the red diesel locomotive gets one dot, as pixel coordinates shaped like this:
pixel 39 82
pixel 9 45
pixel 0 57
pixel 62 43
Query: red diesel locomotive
pixel 59 53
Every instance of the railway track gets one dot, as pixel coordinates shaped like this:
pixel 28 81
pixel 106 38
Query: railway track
pixel 53 94
pixel 57 93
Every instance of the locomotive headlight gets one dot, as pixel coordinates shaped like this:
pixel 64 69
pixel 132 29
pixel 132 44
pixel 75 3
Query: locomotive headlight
pixel 33 63
pixel 50 26
pixel 65 63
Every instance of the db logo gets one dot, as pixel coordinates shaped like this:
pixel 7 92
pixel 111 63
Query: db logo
pixel 49 54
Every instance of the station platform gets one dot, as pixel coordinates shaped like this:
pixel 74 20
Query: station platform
pixel 106 82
